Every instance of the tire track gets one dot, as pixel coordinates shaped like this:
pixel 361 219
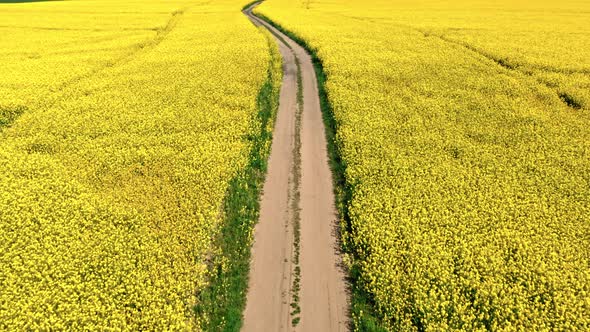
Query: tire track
pixel 161 34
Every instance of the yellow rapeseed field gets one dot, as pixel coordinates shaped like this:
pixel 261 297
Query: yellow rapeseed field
pixel 464 127
pixel 122 124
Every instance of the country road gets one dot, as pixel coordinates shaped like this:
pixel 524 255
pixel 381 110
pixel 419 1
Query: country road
pixel 296 263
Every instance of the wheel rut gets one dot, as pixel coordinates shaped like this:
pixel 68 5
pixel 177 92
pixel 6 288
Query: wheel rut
pixel 296 278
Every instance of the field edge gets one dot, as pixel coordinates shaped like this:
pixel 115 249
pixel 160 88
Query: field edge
pixel 221 304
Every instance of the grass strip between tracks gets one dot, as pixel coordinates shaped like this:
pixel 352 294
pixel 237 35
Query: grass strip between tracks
pixel 296 172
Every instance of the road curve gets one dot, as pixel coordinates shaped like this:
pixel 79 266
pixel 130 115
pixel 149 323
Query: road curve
pixel 298 144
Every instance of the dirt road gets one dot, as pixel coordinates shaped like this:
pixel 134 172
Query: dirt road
pixel 297 201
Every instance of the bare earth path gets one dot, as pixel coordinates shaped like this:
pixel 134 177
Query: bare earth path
pixel 298 148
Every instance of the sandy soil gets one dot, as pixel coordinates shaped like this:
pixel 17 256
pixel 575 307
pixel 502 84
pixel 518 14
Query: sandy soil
pixel 323 297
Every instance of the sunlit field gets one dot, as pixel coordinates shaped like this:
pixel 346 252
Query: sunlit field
pixel 122 124
pixel 464 130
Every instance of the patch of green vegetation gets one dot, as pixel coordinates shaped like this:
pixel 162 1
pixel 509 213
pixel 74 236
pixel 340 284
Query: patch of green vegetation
pixel 296 287
pixel 25 1
pixel 9 114
pixel 570 100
